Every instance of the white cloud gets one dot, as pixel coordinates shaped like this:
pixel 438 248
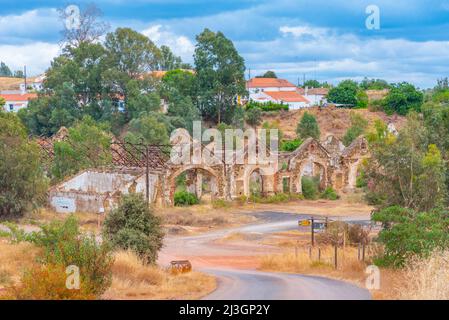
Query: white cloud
pixel 29 26
pixel 301 31
pixel 36 56
pixel 179 44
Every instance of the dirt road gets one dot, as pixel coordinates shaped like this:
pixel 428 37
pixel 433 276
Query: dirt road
pixel 237 280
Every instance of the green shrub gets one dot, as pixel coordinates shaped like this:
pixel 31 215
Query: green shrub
pixel 184 198
pixel 329 194
pixel 290 145
pixel 266 106
pixel 253 116
pixel 132 225
pixel 409 233
pixel 64 244
pixel 220 203
pixel 310 186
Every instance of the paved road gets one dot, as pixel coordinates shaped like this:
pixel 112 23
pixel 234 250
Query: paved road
pixel 237 284
pixel 256 285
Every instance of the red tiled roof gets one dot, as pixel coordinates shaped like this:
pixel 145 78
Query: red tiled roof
pixel 268 82
pixel 18 96
pixel 286 96
pixel 314 91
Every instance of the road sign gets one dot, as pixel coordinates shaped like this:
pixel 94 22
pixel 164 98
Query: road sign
pixel 304 223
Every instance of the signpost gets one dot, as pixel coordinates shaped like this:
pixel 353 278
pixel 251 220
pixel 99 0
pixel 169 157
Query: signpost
pixel 315 226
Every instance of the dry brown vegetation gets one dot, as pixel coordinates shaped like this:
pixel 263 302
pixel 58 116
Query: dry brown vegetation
pixel 427 279
pixel 14 260
pixel 331 120
pixel 421 279
pixel 134 280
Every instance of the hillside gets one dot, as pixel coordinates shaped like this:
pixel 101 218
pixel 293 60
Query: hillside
pixel 331 120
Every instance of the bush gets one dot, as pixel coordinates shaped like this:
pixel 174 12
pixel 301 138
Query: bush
pixel 308 127
pixel 184 198
pixel 310 187
pixel 408 233
pixel 266 106
pixel 22 182
pixel 253 116
pixel 290 145
pixel 356 234
pixel 48 282
pixel 329 194
pixel 134 226
pixel 65 245
pixel 220 203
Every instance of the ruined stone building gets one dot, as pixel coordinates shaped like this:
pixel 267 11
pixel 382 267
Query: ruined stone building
pixel 98 189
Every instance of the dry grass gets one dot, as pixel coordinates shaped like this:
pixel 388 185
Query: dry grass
pixel 14 259
pixel 426 279
pixel 134 280
pixel 333 121
pixel 299 261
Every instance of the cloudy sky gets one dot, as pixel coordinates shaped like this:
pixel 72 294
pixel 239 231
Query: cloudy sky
pixel 323 39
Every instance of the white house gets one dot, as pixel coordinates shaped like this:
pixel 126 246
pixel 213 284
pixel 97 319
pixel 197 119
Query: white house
pixel 316 96
pixel 16 101
pixel 276 90
pixel 36 83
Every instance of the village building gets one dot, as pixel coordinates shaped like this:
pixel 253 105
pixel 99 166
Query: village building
pixel 316 96
pixel 276 90
pixel 16 101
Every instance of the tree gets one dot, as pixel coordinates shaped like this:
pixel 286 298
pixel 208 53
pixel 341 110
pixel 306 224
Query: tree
pixel 308 127
pixel 19 74
pixel 374 84
pixel 134 226
pixel 22 182
pixel 409 232
pixel 312 84
pixel 179 83
pixel 2 103
pixel 4 70
pixel 87 145
pixel 268 74
pixel 253 116
pixel 403 98
pixel 131 53
pixel 221 75
pixel 169 61
pixel 345 93
pixel 81 26
pixel 357 128
pixel 405 170
pixel 147 129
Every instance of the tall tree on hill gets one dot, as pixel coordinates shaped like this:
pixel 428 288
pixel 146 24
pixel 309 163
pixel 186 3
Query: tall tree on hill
pixel 220 74
pixel 81 25
pixel 4 70
pixel 308 127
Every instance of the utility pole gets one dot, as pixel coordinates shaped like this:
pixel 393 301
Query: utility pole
pixel 25 76
pixel 147 174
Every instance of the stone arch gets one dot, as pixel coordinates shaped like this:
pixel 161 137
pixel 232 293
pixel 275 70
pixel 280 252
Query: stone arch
pixel 310 167
pixel 217 188
pixel 267 179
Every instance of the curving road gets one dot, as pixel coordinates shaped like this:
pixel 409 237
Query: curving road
pixel 238 284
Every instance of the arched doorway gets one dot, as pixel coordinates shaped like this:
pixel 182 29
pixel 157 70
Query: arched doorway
pixel 256 187
pixel 313 170
pixel 201 181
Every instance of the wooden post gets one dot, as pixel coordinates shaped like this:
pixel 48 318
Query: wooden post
pixel 336 256
pixel 310 253
pixel 296 252
pixel 363 252
pixel 312 233
pixel 319 254
pixel 358 252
